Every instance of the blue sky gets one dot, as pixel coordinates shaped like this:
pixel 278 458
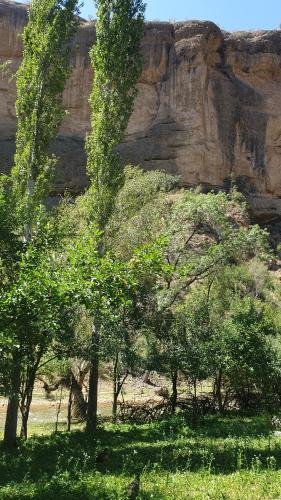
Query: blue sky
pixel 228 14
pixel 231 15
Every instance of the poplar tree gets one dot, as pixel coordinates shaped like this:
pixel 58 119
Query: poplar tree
pixel 117 64
pixel 40 82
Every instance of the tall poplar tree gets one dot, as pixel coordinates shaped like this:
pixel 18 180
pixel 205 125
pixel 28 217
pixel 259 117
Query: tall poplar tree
pixel 40 82
pixel 117 64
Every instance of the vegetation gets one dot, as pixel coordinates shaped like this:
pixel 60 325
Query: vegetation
pixel 40 82
pixel 117 66
pixel 219 457
pixel 135 276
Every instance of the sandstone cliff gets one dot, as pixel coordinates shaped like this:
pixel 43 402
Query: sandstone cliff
pixel 209 105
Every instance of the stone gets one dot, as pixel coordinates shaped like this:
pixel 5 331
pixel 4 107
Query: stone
pixel 208 108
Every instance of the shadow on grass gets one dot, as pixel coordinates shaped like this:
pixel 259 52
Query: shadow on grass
pixel 218 445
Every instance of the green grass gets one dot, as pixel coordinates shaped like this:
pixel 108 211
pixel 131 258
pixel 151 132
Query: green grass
pixel 219 458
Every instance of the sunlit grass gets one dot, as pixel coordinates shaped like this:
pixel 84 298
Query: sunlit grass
pixel 218 458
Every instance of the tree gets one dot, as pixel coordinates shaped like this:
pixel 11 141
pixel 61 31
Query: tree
pixel 36 313
pixel 205 233
pixel 141 207
pixel 248 360
pixel 194 334
pixel 142 210
pixel 118 345
pixel 40 82
pixel 108 287
pixel 244 318
pixel 117 67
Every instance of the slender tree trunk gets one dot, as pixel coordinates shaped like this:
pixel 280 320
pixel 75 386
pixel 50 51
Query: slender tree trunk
pixel 218 394
pixel 25 406
pixel 91 425
pixel 10 433
pixel 195 390
pixel 114 406
pixel 146 376
pixel 27 392
pixel 174 396
pixel 69 407
pixel 24 419
pixel 115 388
pixel 195 405
pixel 58 411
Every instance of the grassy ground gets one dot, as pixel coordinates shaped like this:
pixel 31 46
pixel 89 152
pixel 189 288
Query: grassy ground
pixel 44 411
pixel 218 458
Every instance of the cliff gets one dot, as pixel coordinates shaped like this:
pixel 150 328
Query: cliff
pixel 209 105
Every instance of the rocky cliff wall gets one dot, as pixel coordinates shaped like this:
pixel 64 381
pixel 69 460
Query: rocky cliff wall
pixel 209 105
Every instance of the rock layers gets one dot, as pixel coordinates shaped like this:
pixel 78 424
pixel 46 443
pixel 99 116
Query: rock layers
pixel 208 107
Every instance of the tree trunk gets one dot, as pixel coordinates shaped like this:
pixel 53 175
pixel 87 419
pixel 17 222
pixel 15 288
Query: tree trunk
pixel 91 425
pixel 26 402
pixel 115 389
pixel 25 408
pixel 10 433
pixel 27 392
pixel 114 406
pixel 79 406
pixel 174 396
pixel 69 406
pixel 195 402
pixel 58 411
pixel 24 420
pixel 218 394
pixel 195 390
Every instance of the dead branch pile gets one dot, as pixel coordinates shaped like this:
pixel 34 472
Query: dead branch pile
pixel 152 409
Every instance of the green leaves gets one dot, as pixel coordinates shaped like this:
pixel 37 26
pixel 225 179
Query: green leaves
pixel 34 305
pixel 40 82
pixel 204 235
pixel 117 66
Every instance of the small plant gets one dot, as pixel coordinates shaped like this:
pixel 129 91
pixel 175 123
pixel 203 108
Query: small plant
pixel 240 458
pixel 271 463
pixel 276 423
pixel 256 464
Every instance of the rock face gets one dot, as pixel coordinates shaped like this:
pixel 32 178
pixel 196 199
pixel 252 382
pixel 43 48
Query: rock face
pixel 209 107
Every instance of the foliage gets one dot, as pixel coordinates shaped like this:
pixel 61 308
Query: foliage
pixel 229 457
pixel 204 232
pixel 10 243
pixel 37 308
pixel 30 301
pixel 248 360
pixel 40 82
pixel 204 236
pixel 141 209
pixel 117 66
pixel 194 335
